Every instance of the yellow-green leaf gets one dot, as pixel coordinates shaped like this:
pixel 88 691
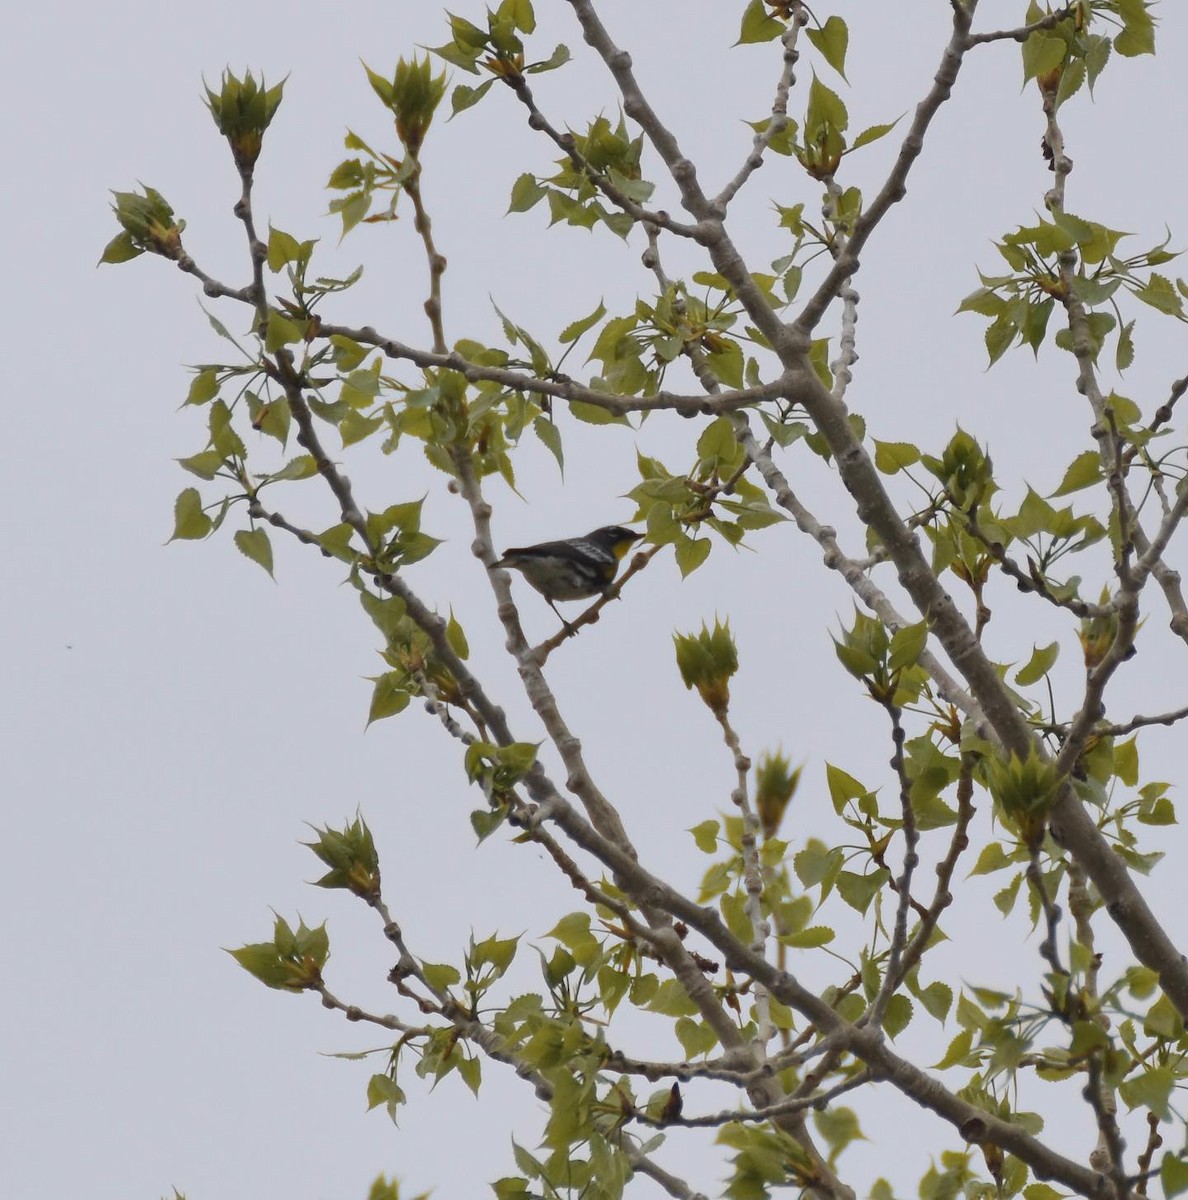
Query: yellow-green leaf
pixel 190 523
pixel 254 544
pixel 1038 665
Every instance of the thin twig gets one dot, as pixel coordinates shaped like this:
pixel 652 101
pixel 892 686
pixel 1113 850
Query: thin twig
pixel 1023 32
pixel 911 859
pixel 817 1101
pixel 778 121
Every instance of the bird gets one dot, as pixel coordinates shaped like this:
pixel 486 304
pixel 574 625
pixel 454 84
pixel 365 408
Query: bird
pixel 573 568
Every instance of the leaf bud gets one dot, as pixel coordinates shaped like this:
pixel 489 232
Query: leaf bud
pixel 148 224
pixel 413 95
pixel 775 785
pixel 351 856
pixel 243 109
pixel 706 661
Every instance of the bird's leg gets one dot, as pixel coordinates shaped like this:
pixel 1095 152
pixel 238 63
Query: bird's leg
pixel 570 631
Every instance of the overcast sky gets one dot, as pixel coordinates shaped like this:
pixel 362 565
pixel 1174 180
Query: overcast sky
pixel 174 716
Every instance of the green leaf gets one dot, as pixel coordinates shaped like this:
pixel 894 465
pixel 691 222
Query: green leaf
pixel 1042 1191
pixel 825 111
pixel 471 1070
pixel 1151 1090
pixel 832 40
pixel 898 1015
pixel 691 553
pixel 1097 54
pixel 1160 293
pixel 758 25
pixel 383 1089
pixel 958 1051
pixel 859 890
pixel 872 134
pixel 734 913
pixel 204 386
pixel 1173 1175
pixel 550 436
pixel 484 822
pixel 456 637
pixel 1124 355
pixel 336 541
pixel 1043 51
pixel 1000 335
pixel 1004 898
pixel 440 975
pixel 303 466
pixel 705 835
pixel 810 938
pixel 254 544
pixel 696 1037
pixel 1084 471
pixel 992 858
pixel 573 932
pixel 526 193
pixel 273 418
pixel 284 248
pixel 496 951
pixel 573 331
pixel 389 696
pixel 842 787
pixel 120 249
pixel 1126 763
pixel 558 58
pixel 891 457
pixel 907 644
pixel 716 442
pixel 838 1126
pixel 463 97
pixel 355 427
pixel 348 354
pixel 280 332
pixel 595 414
pixel 190 523
pixel 1138 32
pixel 205 465
pixel 1038 665
pixel 1161 812
pixel 937 999
pixel 726 362
pixel 817 863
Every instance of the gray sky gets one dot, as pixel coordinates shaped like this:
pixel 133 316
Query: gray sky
pixel 175 716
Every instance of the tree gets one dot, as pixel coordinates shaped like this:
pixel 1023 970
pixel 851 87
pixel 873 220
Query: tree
pixel 807 974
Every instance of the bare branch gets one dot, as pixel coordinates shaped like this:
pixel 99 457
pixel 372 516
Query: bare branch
pixel 752 873
pixel 911 859
pixel 1023 32
pixel 436 261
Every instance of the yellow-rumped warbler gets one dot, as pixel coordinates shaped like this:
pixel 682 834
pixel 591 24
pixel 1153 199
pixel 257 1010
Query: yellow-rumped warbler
pixel 573 569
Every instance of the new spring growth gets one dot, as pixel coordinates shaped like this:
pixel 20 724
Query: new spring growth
pixel 1097 634
pixel 965 471
pixel 351 856
pixel 775 784
pixel 292 961
pixel 243 109
pixel 413 95
pixel 706 661
pixel 1023 790
pixel 147 224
